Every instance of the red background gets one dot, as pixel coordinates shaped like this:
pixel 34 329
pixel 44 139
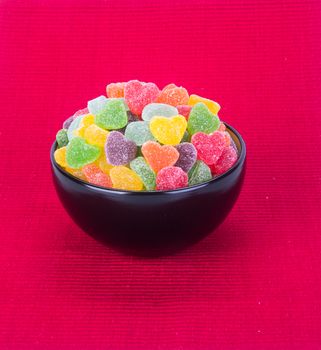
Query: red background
pixel 255 282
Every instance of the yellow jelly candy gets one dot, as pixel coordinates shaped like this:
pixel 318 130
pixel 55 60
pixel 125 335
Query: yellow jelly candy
pixel 60 156
pixel 125 179
pixel 103 165
pixel 77 173
pixel 213 106
pixel 168 131
pixel 86 121
pixel 95 135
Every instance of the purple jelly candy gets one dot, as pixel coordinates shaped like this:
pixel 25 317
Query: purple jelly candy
pixel 119 150
pixel 187 156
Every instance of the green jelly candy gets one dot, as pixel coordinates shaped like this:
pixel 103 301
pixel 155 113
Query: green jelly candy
pixel 139 132
pixel 201 119
pixel 199 173
pixel 186 137
pixel 113 116
pixel 62 138
pixel 144 171
pixel 79 153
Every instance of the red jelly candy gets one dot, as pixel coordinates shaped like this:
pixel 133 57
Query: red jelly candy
pixel 184 110
pixel 209 147
pixel 173 95
pixel 115 90
pixel 170 178
pixel 222 127
pixel 96 176
pixel 226 161
pixel 138 95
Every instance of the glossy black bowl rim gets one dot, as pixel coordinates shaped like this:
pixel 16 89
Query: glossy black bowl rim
pixel 239 162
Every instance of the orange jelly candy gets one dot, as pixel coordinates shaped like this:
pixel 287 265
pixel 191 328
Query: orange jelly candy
pixel 173 95
pixel 96 176
pixel 115 90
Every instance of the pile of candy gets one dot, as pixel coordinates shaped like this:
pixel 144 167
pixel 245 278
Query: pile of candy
pixel 142 138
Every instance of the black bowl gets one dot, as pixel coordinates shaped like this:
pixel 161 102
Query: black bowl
pixel 151 223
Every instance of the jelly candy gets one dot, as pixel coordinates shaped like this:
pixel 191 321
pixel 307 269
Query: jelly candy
pixel 62 138
pixel 138 95
pixel 184 110
pixel 187 156
pixel 67 122
pixel 144 171
pixel 168 131
pixel 119 150
pixel 158 109
pixel 173 95
pixel 171 178
pixel 74 126
pixel 95 176
pixel 103 164
pixel 113 116
pixel 225 162
pixel 227 137
pixel 199 173
pixel 95 135
pixel 201 119
pixel 79 153
pixel 209 147
pixel 81 112
pixel 222 127
pixel 139 132
pixel 97 104
pixel 77 173
pixel 86 120
pixel 213 106
pixel 186 137
pixel 115 90
pixel 60 156
pixel 124 178
pixel 159 157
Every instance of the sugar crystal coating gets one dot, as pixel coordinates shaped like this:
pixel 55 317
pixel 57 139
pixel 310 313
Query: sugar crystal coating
pixel 124 178
pixel 184 110
pixel 173 95
pixel 62 138
pixel 119 150
pixel 199 173
pixel 213 106
pixel 79 153
pixel 60 156
pixel 201 119
pixel 225 162
pixel 96 176
pixel 144 171
pixel 168 131
pixel 187 156
pixel 139 132
pixel 73 127
pixel 113 116
pixel 171 178
pixel 95 135
pixel 115 90
pixel 158 109
pixel 97 104
pixel 138 95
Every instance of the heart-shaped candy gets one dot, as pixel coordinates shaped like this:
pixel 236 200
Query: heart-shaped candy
pixel 201 119
pixel 213 106
pixel 168 131
pixel 171 178
pixel 139 132
pixel 119 150
pixel 187 156
pixel 160 109
pixel 209 147
pixel 159 157
pixel 113 116
pixel 125 179
pixel 173 95
pixel 79 153
pixel 138 95
pixel 199 173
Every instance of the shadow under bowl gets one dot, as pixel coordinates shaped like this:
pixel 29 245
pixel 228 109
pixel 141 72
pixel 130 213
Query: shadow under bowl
pixel 151 223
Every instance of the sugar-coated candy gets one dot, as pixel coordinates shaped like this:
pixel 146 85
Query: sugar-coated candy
pixel 209 147
pixel 74 126
pixel 67 122
pixel 138 94
pixel 96 176
pixel 173 95
pixel 77 173
pixel 171 178
pixel 187 156
pixel 213 106
pixel 222 127
pixel 228 138
pixel 159 157
pixel 144 171
pixel 186 137
pixel 86 120
pixel 158 109
pixel 62 138
pixel 97 104
pixel 184 110
pixel 79 153
pixel 119 150
pixel 124 178
pixel 81 112
pixel 103 164
pixel 201 119
pixel 168 131
pixel 95 135
pixel 60 156
pixel 199 173
pixel 139 132
pixel 225 162
pixel 113 116
pixel 115 90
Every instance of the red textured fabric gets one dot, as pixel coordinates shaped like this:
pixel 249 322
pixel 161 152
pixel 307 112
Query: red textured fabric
pixel 255 282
